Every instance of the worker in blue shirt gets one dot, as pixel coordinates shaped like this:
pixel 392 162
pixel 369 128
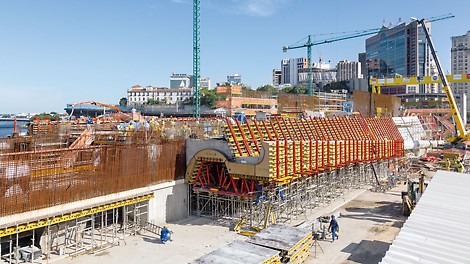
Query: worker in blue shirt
pixel 89 122
pixel 165 234
pixel 333 228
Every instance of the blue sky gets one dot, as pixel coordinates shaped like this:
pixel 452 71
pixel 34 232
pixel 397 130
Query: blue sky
pixel 54 52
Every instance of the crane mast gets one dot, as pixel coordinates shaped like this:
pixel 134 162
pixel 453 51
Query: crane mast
pixel 196 59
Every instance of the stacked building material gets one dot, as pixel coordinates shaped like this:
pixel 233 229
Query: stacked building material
pixel 240 252
pixel 274 244
pixel 292 243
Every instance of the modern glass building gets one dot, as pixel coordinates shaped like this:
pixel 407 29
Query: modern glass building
pixel 399 51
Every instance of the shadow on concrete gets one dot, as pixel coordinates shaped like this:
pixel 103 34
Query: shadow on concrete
pixel 382 212
pixel 367 251
pixel 150 239
pixel 201 220
pixel 398 224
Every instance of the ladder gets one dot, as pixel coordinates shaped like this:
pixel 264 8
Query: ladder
pixel 151 227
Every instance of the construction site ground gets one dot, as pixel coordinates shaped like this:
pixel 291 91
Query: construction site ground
pixel 369 222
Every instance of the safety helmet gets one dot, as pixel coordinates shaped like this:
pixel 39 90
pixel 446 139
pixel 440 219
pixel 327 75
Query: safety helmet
pixel 332 216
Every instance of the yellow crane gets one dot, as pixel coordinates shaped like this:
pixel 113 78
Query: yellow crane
pixel 377 83
pixel 462 135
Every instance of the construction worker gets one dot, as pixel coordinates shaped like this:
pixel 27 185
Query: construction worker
pixel 129 129
pixel 459 166
pixel 165 234
pixel 333 228
pixel 448 164
pixel 89 122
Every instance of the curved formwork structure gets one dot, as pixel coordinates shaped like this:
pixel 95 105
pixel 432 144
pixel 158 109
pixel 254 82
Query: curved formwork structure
pixel 284 160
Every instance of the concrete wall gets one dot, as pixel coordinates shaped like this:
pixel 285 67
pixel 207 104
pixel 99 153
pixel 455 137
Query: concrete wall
pixel 193 146
pixel 170 202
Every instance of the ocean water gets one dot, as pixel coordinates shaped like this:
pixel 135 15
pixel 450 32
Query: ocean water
pixel 6 128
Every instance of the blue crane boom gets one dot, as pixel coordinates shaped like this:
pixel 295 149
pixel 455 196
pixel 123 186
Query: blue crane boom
pixel 354 34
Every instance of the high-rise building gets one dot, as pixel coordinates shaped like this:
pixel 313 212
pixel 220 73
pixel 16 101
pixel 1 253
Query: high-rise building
pixel 361 57
pixel 290 69
pixel 183 80
pixel 277 77
pixel 347 70
pixel 180 80
pixel 460 59
pixel 234 79
pixel 400 51
pixel 295 72
pixel 205 83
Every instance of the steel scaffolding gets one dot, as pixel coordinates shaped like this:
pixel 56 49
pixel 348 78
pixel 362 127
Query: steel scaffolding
pixel 293 200
pixel 86 234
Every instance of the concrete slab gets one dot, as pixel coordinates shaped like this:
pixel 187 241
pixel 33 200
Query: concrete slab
pixel 281 237
pixel 239 252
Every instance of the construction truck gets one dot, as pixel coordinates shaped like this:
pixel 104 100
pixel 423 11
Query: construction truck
pixel 411 197
pixel 462 135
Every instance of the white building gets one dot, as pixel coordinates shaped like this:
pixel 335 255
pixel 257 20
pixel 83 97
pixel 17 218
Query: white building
pixel 290 69
pixel 205 83
pixel 180 80
pixel 235 79
pixel 347 70
pixel 295 72
pixel 277 77
pixel 460 56
pixel 138 95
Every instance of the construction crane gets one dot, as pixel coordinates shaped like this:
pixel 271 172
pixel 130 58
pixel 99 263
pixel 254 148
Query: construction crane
pixel 97 103
pixel 311 43
pixel 196 59
pixel 462 134
pixel 94 103
pixel 354 34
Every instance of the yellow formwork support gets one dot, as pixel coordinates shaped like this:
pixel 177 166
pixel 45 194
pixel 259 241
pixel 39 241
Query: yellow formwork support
pixel 71 216
pixel 60 170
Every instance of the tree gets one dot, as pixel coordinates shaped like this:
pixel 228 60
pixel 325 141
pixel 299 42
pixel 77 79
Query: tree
pixel 334 86
pixel 123 101
pixel 188 101
pixel 151 101
pixel 44 116
pixel 267 88
pixel 295 90
pixel 208 97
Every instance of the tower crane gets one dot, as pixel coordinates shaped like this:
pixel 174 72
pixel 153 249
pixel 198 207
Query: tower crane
pixel 311 43
pixel 196 58
pixel 354 34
